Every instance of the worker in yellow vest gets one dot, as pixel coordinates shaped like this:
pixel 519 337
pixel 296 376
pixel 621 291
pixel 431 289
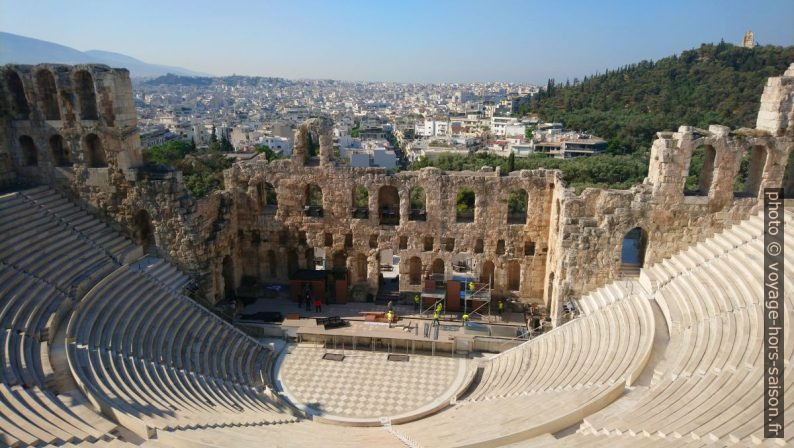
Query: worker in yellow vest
pixel 471 286
pixel 390 317
pixel 416 302
pixel 465 320
pixel 501 306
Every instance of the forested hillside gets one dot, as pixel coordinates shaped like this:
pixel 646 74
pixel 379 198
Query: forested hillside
pixel 714 84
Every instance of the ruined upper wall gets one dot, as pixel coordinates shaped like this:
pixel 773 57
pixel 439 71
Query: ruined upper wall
pixel 776 114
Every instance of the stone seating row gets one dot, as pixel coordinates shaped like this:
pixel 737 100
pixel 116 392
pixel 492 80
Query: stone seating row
pixel 159 396
pixel 57 245
pixel 96 233
pixel 192 338
pixel 162 271
pixel 29 304
pixel 509 420
pixel 610 345
pixel 709 384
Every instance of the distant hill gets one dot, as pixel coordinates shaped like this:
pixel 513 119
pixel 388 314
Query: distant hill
pixel 25 50
pixel 714 84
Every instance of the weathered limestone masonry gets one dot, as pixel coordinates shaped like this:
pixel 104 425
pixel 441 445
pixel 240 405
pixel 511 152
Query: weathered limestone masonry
pixel 586 249
pixel 74 127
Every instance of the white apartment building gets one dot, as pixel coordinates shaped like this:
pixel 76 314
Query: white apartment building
pixel 431 128
pixel 499 124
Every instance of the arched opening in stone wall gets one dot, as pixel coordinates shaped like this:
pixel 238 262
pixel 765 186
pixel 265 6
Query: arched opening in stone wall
pixel 143 229
pixel 427 243
pixel 228 277
pixel 465 205
pixel 86 97
pixel 788 177
pixel 751 169
pixel 339 261
pixel 389 205
pixel 701 171
pixel 19 102
pixel 517 207
pixel 360 201
pixel 308 256
pixel 633 248
pixel 30 155
pixel 48 95
pixel 415 271
pixel 313 200
pixel 61 156
pixel 292 262
pixel 513 275
pixel 271 264
pixel 417 204
pixel 266 197
pixel 487 272
pixel 437 268
pixel 94 152
pixel 360 268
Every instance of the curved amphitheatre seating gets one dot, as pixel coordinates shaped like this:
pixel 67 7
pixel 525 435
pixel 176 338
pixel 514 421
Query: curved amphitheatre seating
pixel 158 364
pixel 707 390
pixel 188 370
pixel 41 233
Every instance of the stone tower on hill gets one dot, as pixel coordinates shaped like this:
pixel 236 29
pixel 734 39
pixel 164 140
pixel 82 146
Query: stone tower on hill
pixel 749 40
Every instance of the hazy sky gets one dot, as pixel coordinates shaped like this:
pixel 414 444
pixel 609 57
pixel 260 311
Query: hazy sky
pixel 398 40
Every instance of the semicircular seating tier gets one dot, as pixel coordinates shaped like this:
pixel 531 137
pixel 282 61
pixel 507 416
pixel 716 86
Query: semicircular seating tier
pixel 707 387
pixel 98 343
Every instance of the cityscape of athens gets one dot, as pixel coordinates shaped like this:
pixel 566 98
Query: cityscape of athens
pixel 437 223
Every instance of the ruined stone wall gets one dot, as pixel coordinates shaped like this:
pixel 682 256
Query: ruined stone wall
pixel 568 245
pixel 366 237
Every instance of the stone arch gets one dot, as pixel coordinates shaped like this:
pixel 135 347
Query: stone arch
pixel 487 272
pixel 359 268
pixel 750 171
pixel 632 252
pixel 415 271
pixel 48 95
pixel 271 264
pixel 360 201
pixel 292 262
pixel 30 154
pixel 227 271
pixel 86 96
pixel 61 156
pixel 389 205
pixel 517 206
pixel 308 256
pixel 513 275
pixel 20 109
pixel 143 229
pixel 465 205
pixel 266 197
pixel 437 268
pixel 417 204
pixel 313 200
pixel 94 152
pixel 339 261
pixel 701 171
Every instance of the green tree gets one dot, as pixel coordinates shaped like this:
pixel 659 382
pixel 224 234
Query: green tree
pixel 511 162
pixel 226 145
pixel 528 133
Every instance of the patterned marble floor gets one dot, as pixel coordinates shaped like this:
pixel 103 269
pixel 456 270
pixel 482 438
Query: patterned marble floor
pixel 364 384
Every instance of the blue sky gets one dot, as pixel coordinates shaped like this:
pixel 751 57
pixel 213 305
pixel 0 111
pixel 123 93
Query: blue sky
pixel 418 41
